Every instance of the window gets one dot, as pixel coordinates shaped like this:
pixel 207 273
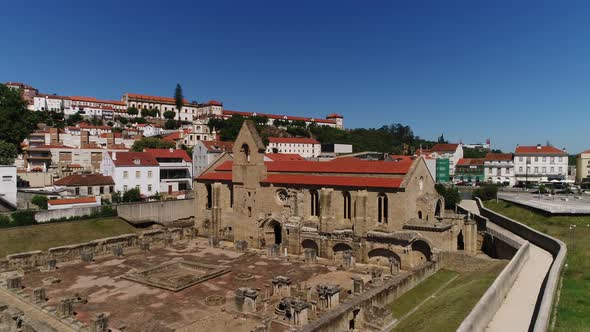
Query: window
pixel 125 174
pixel 346 205
pixel 536 169
pixel 77 191
pixel 149 187
pixel 544 159
pixel 137 187
pixel 552 169
pixel 111 189
pixel 315 203
pixel 536 158
pixel 382 208
pixel 520 168
pixel 125 187
pixel 149 174
pixel 544 170
pixel 7 178
pixel 137 174
pixel 209 196
pixel 101 190
pixel 560 169
pixel 89 189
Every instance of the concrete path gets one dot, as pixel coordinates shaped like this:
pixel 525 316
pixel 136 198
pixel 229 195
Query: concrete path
pixel 516 311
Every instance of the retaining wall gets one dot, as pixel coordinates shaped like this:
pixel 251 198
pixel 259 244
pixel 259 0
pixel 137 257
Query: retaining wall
pixel 542 316
pixel 45 216
pixel 492 299
pixel 162 212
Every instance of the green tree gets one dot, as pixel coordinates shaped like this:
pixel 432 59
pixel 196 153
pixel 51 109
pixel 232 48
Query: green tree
pixel 178 98
pixel 169 115
pixel 153 112
pixel 132 195
pixel 151 143
pixel 40 201
pixel 451 195
pixel 8 153
pixel 170 124
pixel 441 139
pixel 74 118
pixel 145 112
pixel 23 218
pixel 116 197
pixel 486 192
pixel 16 122
pixel 132 111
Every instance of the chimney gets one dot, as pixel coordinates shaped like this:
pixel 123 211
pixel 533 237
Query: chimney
pixel 53 136
pixel 114 155
pixel 84 138
pixel 110 140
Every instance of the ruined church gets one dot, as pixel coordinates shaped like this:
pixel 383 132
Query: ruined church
pixel 384 212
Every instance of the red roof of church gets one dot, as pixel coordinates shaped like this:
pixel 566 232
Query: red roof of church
pixel 338 181
pixel 157 99
pixel 284 156
pixel 214 103
pixel 538 149
pixel 334 115
pixel 296 140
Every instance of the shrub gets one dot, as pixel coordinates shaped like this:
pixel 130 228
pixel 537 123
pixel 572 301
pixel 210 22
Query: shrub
pixel 132 195
pixel 40 201
pixel 4 221
pixel 451 195
pixel 23 218
pixel 486 192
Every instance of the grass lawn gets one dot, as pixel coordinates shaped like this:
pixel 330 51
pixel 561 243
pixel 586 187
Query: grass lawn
pixel 45 236
pixel 573 311
pixel 446 311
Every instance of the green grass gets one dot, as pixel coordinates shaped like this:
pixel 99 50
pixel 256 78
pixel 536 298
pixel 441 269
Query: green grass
pixel 573 310
pixel 412 298
pixel 42 237
pixel 446 311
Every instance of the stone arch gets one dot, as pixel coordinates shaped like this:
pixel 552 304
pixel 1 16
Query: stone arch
pixel 310 244
pixel 422 249
pixel 271 232
pixel 419 214
pixel 245 151
pixel 341 247
pixel 460 241
pixel 438 208
pixel 385 257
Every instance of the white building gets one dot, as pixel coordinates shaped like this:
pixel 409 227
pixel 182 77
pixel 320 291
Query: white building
pixel 8 187
pixel 176 169
pixel 306 147
pixel 452 152
pixel 148 129
pixel 162 104
pixel 198 131
pixel 132 170
pixel 499 168
pixel 206 152
pixel 51 103
pixel 540 163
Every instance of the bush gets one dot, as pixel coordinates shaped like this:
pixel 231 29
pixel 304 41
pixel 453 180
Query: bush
pixel 23 218
pixel 487 192
pixel 132 195
pixel 40 201
pixel 451 195
pixel 4 221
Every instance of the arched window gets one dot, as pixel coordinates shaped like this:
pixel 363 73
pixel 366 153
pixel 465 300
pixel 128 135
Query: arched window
pixel 346 200
pixel 382 208
pixel 209 195
pixel 315 203
pixel 246 151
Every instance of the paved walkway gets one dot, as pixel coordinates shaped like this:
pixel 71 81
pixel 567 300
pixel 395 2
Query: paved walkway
pixel 560 204
pixel 516 311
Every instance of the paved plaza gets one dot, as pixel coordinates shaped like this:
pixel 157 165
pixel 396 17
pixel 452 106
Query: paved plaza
pixel 554 204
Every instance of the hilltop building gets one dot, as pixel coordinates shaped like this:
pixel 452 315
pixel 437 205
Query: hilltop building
pixel 306 147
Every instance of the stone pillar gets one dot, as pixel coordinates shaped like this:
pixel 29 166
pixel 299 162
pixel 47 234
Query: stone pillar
pixel 118 250
pixel 470 238
pixel 51 264
pixel 86 256
pixel 241 245
pixel 310 255
pixel 393 265
pixel 144 246
pixel 281 286
pixel 65 308
pixel 245 299
pixel 100 323
pixel 298 312
pixel 14 282
pixel 216 209
pixel 329 296
pixel 39 295
pixel 273 250
pixel 376 276
pixel 267 292
pixel 347 259
pixel 360 218
pixel 358 285
pixel 213 241
pixel 326 213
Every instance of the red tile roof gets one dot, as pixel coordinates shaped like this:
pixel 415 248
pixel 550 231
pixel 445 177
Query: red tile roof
pixel 134 159
pixel 538 149
pixel 172 137
pixel 440 147
pixel 585 152
pixel 214 103
pixel 470 161
pixel 334 115
pixel 218 146
pixel 79 200
pixel 85 180
pixel 498 156
pixel 284 156
pixel 167 153
pixel 338 165
pixel 225 176
pixel 50 146
pixel 115 135
pixel 336 181
pixel 276 116
pixel 296 140
pixel 147 98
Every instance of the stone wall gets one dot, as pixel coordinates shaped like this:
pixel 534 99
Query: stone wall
pixel 554 246
pixel 100 247
pixel 359 307
pixel 492 299
pixel 162 212
pixel 45 216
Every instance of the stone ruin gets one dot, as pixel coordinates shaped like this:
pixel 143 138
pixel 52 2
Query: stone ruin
pixel 13 320
pixel 144 246
pixel 87 256
pixel 295 310
pixel 100 323
pixel 358 285
pixel 328 295
pixel 118 250
pixel 65 308
pixel 14 282
pixel 281 286
pixel 213 241
pixel 51 264
pixel 310 255
pixel 241 245
pixel 39 295
pixel 348 259
pixel 273 250
pixel 245 299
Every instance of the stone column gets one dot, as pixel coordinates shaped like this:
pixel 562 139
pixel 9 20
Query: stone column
pixel 347 259
pixel 39 295
pixel 213 241
pixel 326 213
pixel 144 246
pixel 245 299
pixel 310 255
pixel 358 284
pixel 100 323
pixel 329 296
pixel 281 286
pixel 393 265
pixel 299 312
pixel 65 308
pixel 470 238
pixel 51 264
pixel 87 256
pixel 118 250
pixel 241 245
pixel 13 282
pixel 273 250
pixel 360 219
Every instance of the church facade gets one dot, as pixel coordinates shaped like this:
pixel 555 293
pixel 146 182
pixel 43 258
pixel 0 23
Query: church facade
pixel 381 212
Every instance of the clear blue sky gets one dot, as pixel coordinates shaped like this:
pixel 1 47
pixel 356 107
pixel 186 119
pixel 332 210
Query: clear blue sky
pixel 516 73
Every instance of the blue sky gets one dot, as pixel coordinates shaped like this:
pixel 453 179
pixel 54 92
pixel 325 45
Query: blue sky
pixel 513 71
